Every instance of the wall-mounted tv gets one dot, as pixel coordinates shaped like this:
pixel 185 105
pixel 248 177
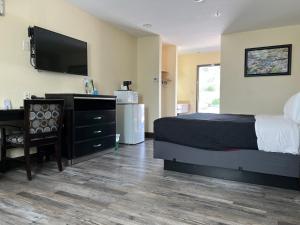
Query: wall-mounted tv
pixel 55 52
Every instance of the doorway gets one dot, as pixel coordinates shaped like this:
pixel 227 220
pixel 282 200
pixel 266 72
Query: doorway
pixel 208 88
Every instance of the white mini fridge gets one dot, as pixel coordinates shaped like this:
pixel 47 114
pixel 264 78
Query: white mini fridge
pixel 131 123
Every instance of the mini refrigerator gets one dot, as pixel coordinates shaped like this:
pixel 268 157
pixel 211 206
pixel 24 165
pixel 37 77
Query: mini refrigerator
pixel 131 123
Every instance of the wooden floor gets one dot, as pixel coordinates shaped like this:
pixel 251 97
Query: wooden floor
pixel 130 187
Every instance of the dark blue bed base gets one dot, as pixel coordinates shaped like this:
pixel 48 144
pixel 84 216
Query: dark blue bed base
pixel 257 167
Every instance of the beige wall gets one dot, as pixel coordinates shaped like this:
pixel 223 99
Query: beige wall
pixel 169 90
pixel 187 75
pixel 257 95
pixel 111 52
pixel 148 77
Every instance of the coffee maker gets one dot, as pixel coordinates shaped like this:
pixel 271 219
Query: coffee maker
pixel 127 85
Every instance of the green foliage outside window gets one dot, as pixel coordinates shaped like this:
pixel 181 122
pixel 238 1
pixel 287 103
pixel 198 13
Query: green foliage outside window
pixel 210 89
pixel 215 102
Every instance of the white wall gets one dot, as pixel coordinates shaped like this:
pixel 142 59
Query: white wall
pixel 148 69
pixel 257 95
pixel 112 53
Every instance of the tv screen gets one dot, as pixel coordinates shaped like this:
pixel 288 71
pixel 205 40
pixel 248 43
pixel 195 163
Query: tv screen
pixel 58 53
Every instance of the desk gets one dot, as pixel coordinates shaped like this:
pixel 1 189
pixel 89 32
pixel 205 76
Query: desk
pixel 9 117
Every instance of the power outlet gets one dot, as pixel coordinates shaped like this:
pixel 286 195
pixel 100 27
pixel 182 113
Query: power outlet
pixel 27 95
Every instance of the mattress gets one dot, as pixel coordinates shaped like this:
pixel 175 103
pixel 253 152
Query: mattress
pixel 218 132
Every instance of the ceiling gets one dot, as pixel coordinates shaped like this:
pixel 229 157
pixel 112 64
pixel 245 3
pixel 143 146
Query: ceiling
pixel 190 25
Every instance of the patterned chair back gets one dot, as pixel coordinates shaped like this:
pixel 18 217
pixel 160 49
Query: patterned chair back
pixel 43 117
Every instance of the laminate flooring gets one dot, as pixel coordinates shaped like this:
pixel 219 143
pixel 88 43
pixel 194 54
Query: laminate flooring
pixel 130 187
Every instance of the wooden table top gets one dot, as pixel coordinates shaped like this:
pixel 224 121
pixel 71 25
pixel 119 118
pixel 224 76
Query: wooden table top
pixel 11 114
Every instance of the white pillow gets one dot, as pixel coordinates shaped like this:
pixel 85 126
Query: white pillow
pixel 292 108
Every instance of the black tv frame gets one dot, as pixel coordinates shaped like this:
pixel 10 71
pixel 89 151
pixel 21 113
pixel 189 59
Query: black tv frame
pixel 33 50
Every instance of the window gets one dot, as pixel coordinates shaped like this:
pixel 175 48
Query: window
pixel 208 89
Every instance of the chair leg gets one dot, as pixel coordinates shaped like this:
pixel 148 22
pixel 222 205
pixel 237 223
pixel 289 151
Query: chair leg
pixel 3 150
pixel 58 156
pixel 27 161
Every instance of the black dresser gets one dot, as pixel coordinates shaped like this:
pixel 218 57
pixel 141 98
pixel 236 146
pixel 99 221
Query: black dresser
pixel 89 124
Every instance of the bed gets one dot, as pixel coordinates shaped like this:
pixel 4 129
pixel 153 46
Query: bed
pixel 231 147
pixel 208 131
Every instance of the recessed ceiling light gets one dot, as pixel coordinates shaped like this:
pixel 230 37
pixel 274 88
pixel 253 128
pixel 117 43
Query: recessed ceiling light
pixel 199 1
pixel 218 13
pixel 147 25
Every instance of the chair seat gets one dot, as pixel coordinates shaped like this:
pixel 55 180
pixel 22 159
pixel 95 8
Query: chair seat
pixel 16 139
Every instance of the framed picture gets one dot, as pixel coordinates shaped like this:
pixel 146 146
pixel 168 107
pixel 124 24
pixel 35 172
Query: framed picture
pixel 268 61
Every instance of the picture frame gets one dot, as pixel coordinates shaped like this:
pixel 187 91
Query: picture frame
pixel 268 61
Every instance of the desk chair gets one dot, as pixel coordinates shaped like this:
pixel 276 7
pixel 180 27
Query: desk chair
pixel 42 126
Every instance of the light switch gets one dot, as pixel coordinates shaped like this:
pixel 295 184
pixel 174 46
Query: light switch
pixel 1 7
pixel 26 45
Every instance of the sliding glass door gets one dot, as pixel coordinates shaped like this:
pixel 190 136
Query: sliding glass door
pixel 208 88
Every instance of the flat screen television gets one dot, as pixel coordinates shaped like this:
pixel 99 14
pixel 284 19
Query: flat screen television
pixel 55 52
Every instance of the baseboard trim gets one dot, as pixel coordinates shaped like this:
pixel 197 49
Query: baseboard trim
pixel 149 135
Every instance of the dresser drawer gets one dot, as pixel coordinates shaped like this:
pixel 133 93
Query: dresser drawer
pixel 93 146
pixel 86 118
pixel 103 130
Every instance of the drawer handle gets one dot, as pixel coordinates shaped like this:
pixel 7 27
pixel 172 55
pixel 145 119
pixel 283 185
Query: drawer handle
pixel 97 131
pixel 98 118
pixel 97 146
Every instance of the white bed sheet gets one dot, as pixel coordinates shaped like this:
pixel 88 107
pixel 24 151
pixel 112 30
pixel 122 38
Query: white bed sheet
pixel 277 134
